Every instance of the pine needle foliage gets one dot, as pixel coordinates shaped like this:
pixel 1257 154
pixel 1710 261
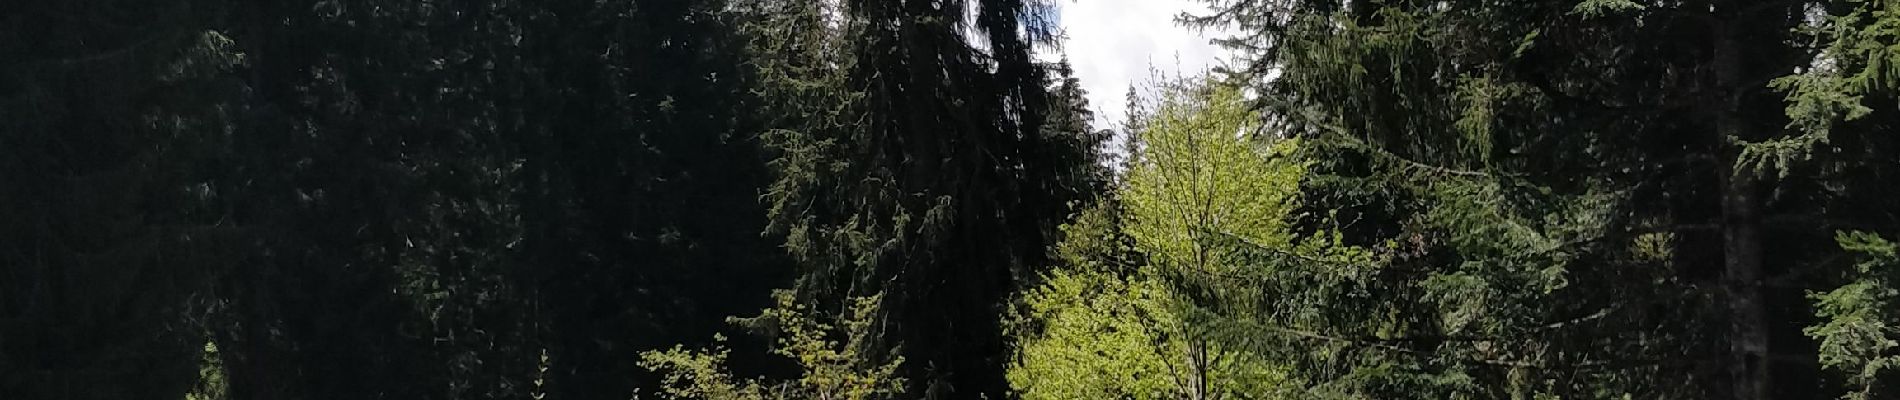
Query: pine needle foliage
pixel 1575 198
pixel 1859 329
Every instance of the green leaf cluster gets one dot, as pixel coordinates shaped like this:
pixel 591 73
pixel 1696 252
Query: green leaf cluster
pixel 1859 328
pixel 828 355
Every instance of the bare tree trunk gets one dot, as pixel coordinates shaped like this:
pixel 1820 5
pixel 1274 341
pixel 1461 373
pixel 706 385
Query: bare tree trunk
pixel 1741 231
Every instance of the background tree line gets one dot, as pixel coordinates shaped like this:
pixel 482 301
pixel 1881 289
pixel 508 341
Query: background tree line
pixel 499 199
pixel 866 199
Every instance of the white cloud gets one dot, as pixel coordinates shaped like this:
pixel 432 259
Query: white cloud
pixel 1113 43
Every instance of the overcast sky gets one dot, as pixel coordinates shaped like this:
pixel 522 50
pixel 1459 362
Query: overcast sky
pixel 1112 44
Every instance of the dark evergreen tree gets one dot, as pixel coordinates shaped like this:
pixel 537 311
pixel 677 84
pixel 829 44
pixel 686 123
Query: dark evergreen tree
pixel 642 180
pixel 443 194
pixel 106 112
pixel 1079 165
pixel 373 188
pixel 937 186
pixel 1578 199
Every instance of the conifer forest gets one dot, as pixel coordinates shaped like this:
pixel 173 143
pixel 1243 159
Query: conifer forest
pixel 917 199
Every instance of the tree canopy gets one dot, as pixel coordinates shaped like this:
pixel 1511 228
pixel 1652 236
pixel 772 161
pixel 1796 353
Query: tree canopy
pixel 915 199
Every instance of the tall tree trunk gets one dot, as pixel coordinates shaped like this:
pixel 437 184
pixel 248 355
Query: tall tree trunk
pixel 1741 230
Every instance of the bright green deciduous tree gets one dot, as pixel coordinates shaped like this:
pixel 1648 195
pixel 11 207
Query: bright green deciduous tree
pixel 1094 328
pixel 1108 325
pixel 1100 336
pixel 1200 174
pixel 829 355
pixel 1104 326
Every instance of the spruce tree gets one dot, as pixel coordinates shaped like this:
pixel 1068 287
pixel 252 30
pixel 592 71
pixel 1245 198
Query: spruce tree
pixel 108 113
pixel 933 187
pixel 1589 199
